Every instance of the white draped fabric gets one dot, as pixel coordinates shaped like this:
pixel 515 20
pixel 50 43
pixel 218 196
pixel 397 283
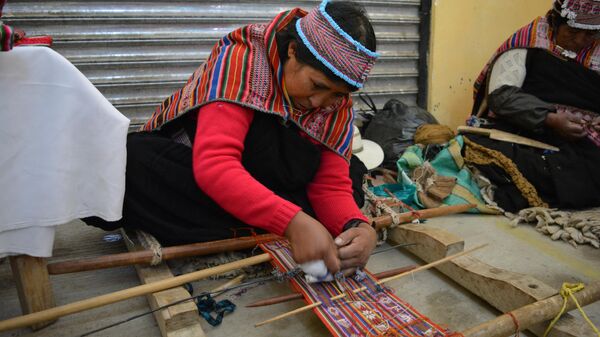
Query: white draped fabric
pixel 62 150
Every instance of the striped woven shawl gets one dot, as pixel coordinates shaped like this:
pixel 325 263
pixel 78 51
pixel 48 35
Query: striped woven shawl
pixel 537 34
pixel 244 68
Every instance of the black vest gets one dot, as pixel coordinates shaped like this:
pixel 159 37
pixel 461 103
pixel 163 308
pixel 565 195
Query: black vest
pixel 561 82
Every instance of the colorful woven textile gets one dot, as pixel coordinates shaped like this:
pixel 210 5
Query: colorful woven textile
pixel 582 14
pixel 373 312
pixel 244 68
pixel 537 34
pixel 344 56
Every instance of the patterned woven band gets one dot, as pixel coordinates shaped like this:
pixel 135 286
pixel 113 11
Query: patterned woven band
pixel 369 313
pixel 338 51
pixel 583 14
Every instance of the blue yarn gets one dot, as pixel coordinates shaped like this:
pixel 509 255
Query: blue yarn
pixel 207 305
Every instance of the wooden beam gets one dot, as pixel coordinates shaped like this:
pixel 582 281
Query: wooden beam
pixel 33 286
pixel 534 313
pixel 175 321
pixel 503 289
pixel 168 253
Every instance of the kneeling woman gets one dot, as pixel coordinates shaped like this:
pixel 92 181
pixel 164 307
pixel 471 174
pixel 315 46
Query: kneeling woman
pixel 261 135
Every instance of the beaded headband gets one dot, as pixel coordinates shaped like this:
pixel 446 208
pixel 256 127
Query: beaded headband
pixel 338 51
pixel 583 14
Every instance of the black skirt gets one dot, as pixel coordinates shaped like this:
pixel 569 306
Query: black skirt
pixel 567 179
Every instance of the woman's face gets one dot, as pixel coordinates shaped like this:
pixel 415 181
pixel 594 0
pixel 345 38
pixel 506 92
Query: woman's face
pixel 575 39
pixel 309 88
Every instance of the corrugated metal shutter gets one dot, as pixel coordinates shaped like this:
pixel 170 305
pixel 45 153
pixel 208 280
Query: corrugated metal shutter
pixel 138 52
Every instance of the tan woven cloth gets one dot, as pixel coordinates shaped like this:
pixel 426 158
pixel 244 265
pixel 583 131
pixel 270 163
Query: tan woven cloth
pixel 432 189
pixel 433 134
pixel 480 155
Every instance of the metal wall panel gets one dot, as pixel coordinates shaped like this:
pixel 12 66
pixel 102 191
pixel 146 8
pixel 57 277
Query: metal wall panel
pixel 138 52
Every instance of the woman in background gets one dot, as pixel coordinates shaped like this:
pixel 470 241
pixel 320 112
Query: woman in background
pixel 544 83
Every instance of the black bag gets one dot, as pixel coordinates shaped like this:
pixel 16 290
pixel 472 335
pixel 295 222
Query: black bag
pixel 394 126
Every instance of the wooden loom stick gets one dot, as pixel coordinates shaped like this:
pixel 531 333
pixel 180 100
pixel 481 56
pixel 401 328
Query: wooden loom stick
pixel 205 248
pixel 168 253
pixel 391 278
pixel 532 314
pixel 94 302
pixel 386 220
pixel 297 296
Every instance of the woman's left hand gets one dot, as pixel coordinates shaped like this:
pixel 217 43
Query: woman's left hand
pixel 596 123
pixel 355 246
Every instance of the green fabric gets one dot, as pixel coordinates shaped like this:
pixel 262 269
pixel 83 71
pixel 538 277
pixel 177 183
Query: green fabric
pixel 404 192
pixel 449 163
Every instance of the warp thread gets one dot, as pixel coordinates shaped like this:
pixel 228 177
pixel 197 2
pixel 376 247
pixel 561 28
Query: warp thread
pixel 150 242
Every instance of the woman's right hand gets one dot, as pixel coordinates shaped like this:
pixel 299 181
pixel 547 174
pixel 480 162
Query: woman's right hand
pixel 311 241
pixel 568 125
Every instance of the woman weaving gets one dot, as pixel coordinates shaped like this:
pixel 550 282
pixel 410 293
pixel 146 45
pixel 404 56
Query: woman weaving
pixel 260 135
pixel 544 83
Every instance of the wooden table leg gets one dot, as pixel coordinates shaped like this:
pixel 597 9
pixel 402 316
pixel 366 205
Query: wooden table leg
pixel 33 285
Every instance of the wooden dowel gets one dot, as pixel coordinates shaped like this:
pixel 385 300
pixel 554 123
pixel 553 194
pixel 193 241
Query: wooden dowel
pixel 51 314
pixel 168 253
pixel 386 220
pixel 206 248
pixel 534 313
pixel 275 300
pixel 316 304
pixel 231 283
pixel 432 264
pixel 396 271
pixel 297 296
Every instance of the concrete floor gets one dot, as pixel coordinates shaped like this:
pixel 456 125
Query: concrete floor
pixel 520 250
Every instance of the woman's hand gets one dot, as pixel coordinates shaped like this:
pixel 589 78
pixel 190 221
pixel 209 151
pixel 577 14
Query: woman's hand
pixel 311 241
pixel 596 123
pixel 355 247
pixel 568 125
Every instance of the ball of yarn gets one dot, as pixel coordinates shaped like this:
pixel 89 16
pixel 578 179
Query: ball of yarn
pixel 433 134
pixel 315 271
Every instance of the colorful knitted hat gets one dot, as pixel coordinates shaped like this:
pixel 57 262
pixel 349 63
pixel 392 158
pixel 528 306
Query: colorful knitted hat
pixel 338 51
pixel 583 14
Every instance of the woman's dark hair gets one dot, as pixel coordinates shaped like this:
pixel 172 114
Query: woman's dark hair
pixel 350 16
pixel 555 20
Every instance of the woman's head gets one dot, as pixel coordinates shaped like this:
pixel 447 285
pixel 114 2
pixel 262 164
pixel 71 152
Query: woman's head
pixel 576 23
pixel 321 65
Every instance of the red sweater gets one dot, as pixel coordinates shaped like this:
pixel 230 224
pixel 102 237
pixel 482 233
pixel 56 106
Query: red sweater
pixel 217 161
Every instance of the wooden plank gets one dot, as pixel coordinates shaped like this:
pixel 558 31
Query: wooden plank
pixel 33 285
pixel 181 320
pixel 503 289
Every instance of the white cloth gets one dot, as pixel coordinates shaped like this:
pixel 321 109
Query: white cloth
pixel 509 69
pixel 62 150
